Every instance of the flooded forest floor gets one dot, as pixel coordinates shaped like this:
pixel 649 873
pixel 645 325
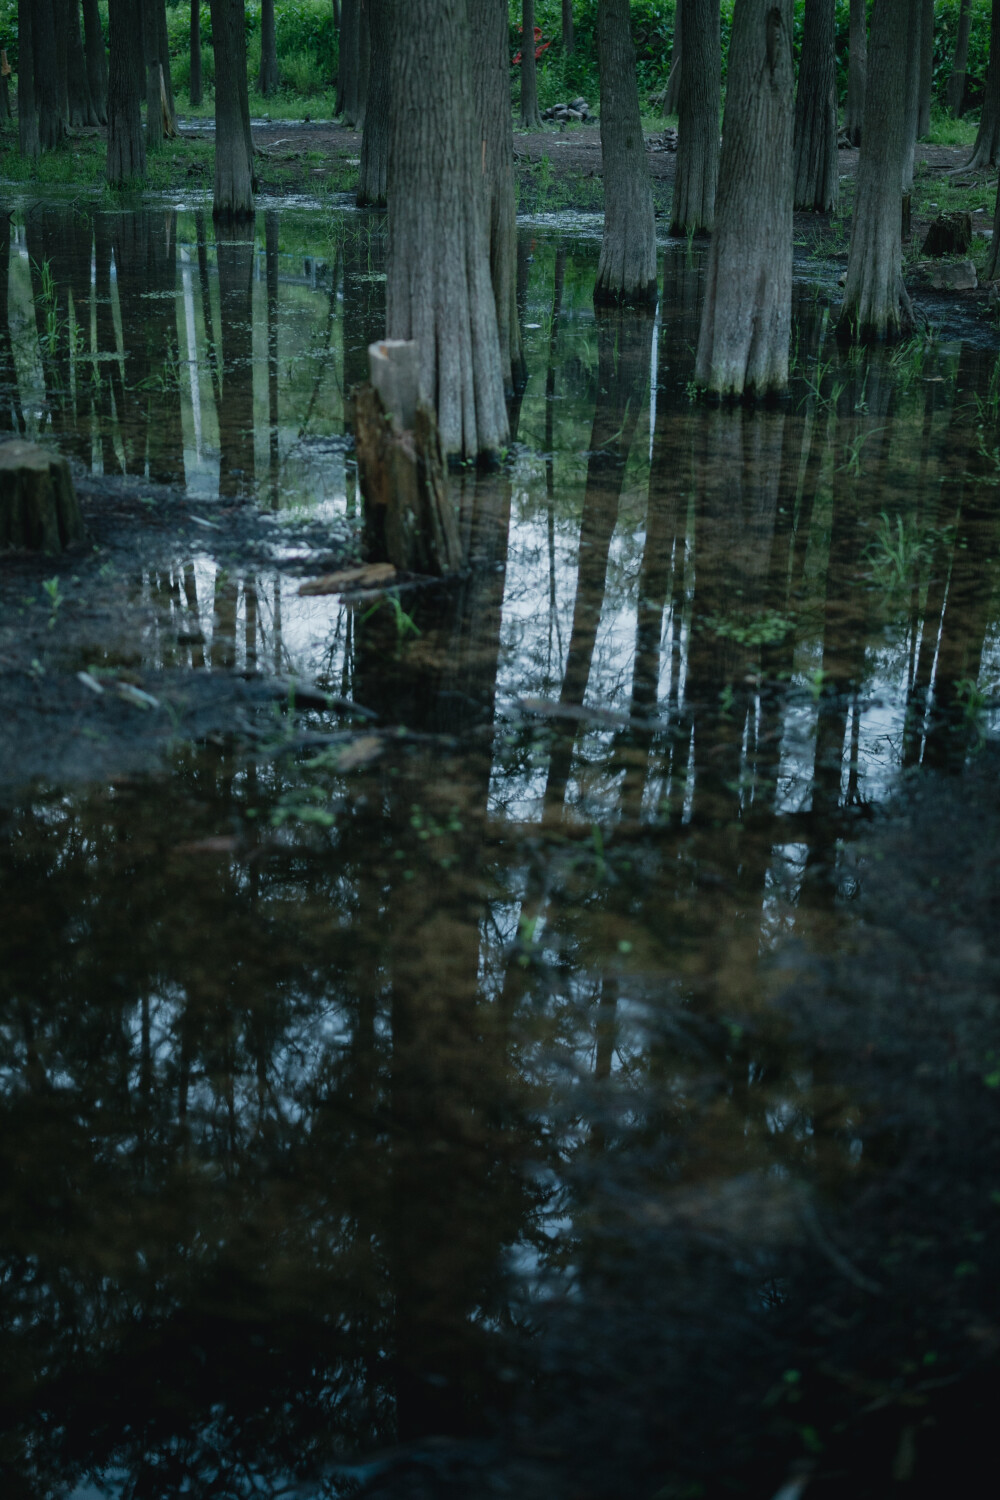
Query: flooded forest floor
pixel 535 1035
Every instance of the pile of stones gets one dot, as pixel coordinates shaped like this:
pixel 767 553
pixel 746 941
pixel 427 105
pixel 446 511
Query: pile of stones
pixel 579 109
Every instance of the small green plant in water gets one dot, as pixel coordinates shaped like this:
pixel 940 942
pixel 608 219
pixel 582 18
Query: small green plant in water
pixel 405 624
pixel 766 629
pixel 896 553
pixel 55 598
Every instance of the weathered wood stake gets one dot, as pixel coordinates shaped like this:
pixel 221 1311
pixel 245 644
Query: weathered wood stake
pixel 409 516
pixel 38 505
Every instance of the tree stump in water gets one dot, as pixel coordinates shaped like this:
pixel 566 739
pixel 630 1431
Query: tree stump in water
pixel 38 505
pixel 409 517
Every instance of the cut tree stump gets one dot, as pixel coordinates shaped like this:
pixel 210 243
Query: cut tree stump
pixel 409 516
pixel 38 505
pixel 949 234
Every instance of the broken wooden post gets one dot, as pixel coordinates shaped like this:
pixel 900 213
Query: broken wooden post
pixel 409 518
pixel 38 505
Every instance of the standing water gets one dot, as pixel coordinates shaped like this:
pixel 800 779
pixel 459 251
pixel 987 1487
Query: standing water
pixel 530 1036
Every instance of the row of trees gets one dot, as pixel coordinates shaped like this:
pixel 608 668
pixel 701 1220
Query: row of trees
pixel 438 150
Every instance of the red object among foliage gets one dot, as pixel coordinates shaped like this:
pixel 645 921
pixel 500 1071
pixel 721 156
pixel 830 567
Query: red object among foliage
pixel 538 50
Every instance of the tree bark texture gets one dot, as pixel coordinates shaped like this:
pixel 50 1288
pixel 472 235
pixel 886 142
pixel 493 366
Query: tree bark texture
pixel 50 121
pixel 956 82
pixel 375 138
pixel 491 89
pixel 626 271
pixel 60 19
pixel 699 102
pixel 926 86
pixel 438 288
pixel 97 60
pixel 126 147
pixel 875 304
pixel 169 104
pixel 194 78
pixel 348 67
pixel 267 78
pixel 816 174
pixel 234 175
pixel 81 108
pixel 912 91
pixel 364 61
pixel 151 54
pixel 567 27
pixel 746 316
pixel 857 70
pixel 27 109
pixel 530 113
pixel 984 153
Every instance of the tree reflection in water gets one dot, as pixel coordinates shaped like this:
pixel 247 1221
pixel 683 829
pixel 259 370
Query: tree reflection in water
pixel 591 1091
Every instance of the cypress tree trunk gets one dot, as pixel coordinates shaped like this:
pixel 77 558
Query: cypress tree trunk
pixel 816 177
pixel 857 71
pixel 672 93
pixel 926 87
pixel 956 83
pixel 912 91
pixel 746 317
pixel 235 182
pixel 151 55
pixel 491 90
pixel 81 108
pixel 347 69
pixel 438 288
pixel 97 60
pixel 364 62
pixel 876 304
pixel 698 126
pixel 50 122
pixel 375 140
pixel 60 19
pixel 126 147
pixel 567 27
pixel 626 271
pixel 27 111
pixel 984 153
pixel 267 78
pixel 194 82
pixel 530 113
pixel 168 83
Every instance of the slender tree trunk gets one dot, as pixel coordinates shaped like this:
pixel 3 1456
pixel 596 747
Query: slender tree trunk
pixel 984 153
pixel 194 83
pixel 81 108
pixel 27 111
pixel 626 271
pixel 491 89
pixel 50 121
pixel 912 92
pixel 700 98
pixel 151 53
pixel 857 71
pixel 926 68
pixel 267 78
pixel 97 60
pixel 347 70
pixel 438 288
pixel 746 317
pixel 567 27
pixel 876 304
pixel 375 139
pixel 364 61
pixel 234 175
pixel 126 147
pixel 60 19
pixel 168 83
pixel 336 16
pixel 816 176
pixel 530 113
pixel 672 93
pixel 956 83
